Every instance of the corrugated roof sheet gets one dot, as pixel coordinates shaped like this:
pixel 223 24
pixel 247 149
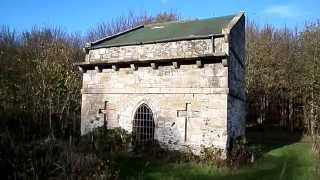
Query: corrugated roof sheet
pixel 165 31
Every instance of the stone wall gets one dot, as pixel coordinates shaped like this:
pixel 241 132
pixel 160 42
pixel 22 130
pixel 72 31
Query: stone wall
pixel 158 51
pixel 165 90
pixel 236 72
pixel 156 80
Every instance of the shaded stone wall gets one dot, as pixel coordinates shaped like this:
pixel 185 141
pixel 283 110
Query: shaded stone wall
pixel 236 73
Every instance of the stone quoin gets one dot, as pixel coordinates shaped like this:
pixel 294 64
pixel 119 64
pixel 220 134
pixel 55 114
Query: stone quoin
pixel 179 83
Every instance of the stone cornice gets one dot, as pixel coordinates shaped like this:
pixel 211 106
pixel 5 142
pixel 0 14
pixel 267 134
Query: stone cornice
pixel 155 90
pixel 94 65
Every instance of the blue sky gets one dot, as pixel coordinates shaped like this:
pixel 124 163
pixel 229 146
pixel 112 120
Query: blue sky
pixel 80 15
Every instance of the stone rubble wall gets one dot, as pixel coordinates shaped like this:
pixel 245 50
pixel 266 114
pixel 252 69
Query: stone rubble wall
pixel 157 51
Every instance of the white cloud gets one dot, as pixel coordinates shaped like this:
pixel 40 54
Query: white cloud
pixel 282 11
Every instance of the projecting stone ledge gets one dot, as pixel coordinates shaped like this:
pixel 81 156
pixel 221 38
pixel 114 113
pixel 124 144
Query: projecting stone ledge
pixel 155 91
pixel 134 63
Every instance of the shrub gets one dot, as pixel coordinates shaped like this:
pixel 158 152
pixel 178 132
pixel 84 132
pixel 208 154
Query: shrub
pixel 239 154
pixel 211 154
pixel 110 142
pixel 53 159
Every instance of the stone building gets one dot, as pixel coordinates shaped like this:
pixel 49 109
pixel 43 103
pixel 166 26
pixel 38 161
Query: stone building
pixel 178 83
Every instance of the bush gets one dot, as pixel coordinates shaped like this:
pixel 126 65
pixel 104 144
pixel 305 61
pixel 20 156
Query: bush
pixel 239 154
pixel 52 158
pixel 107 142
pixel 211 154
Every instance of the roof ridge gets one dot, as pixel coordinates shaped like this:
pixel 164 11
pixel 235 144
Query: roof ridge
pixel 168 22
pixel 188 20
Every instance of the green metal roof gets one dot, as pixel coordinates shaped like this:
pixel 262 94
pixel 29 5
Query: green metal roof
pixel 166 31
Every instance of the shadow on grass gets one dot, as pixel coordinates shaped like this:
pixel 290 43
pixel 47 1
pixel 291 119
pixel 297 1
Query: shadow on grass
pixel 282 156
pixel 288 162
pixel 267 138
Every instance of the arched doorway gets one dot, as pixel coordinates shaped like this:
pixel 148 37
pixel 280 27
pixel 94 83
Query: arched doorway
pixel 143 125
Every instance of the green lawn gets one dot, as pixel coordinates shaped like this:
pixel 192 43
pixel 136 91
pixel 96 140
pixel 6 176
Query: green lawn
pixel 294 161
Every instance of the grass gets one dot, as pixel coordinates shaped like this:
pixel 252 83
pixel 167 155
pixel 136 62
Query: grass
pixel 294 162
pixel 282 156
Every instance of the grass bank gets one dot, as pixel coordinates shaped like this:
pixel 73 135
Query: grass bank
pixel 294 162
